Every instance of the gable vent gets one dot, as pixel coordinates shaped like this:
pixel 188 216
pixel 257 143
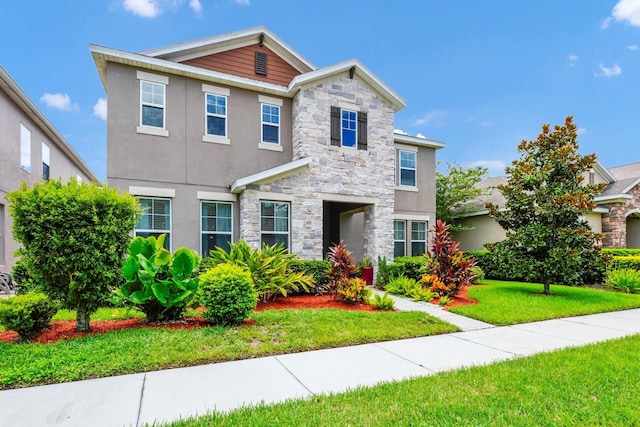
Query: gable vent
pixel 261 63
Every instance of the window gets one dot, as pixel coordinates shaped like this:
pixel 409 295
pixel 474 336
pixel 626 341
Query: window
pixel 152 103
pixel 348 130
pixel 406 168
pixel 399 238
pixel 216 112
pixel 25 148
pixel 155 219
pixel 274 223
pixel 418 238
pixel 217 221
pixel 46 161
pixel 270 124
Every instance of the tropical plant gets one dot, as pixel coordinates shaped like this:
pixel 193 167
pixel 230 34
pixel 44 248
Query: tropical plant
pixel 318 269
pixel 366 262
pixel 272 268
pixel 159 284
pixel 74 239
pixel 625 280
pixel 382 302
pixel 354 290
pixel 408 287
pixel 382 276
pixel 478 273
pixel 27 314
pixel 444 300
pixel 228 294
pixel 342 266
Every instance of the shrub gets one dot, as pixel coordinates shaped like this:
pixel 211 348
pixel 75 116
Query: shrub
pixel 384 302
pixel 625 280
pixel 159 284
pixel 74 239
pixel 22 280
pixel 354 290
pixel 382 275
pixel 318 269
pixel 622 251
pixel 444 300
pixel 228 294
pixel 27 314
pixel 435 285
pixel 412 267
pixel 408 287
pixel 272 269
pixel 625 262
pixel 478 273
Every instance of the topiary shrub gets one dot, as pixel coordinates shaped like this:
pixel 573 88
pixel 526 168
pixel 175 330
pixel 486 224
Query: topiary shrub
pixel 228 294
pixel 27 314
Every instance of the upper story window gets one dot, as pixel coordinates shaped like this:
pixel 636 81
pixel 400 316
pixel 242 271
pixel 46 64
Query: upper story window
pixel 270 124
pixel 216 114
pixel 46 162
pixel 152 105
pixel 406 167
pixel 348 128
pixel 418 237
pixel 25 148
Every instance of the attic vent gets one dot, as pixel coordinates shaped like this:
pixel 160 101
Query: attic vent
pixel 261 63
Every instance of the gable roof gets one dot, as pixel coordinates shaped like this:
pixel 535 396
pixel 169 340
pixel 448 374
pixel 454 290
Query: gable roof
pixel 20 98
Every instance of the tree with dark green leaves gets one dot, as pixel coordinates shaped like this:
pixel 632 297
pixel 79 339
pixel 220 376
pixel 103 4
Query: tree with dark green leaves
pixel 454 192
pixel 75 238
pixel 548 239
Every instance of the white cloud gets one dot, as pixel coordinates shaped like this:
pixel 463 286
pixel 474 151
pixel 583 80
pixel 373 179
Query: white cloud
pixel 581 131
pixel 59 101
pixel 494 166
pixel 606 22
pixel 400 132
pixel 242 2
pixel 573 59
pixel 632 47
pixel 627 11
pixel 100 109
pixel 143 8
pixel 195 5
pixel 609 72
pixel 431 118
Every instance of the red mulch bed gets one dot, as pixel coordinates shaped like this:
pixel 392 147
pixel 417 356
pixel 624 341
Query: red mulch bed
pixel 65 329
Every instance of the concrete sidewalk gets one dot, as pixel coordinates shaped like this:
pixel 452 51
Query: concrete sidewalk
pixel 132 400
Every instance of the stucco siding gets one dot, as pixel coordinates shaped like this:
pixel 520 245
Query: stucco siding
pixel 486 230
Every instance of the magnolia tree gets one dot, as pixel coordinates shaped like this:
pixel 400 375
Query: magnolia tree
pixel 548 239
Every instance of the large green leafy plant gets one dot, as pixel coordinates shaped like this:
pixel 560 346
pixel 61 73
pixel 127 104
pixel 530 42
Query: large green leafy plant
pixel 159 284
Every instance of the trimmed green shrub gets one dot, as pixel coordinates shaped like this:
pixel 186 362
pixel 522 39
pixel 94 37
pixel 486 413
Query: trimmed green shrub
pixel 271 268
pixel 353 290
pixel 478 273
pixel 228 294
pixel 384 302
pixel 622 251
pixel 318 269
pixel 27 314
pixel 625 280
pixel 74 239
pixel 159 284
pixel 22 280
pixel 382 275
pixel 625 262
pixel 413 267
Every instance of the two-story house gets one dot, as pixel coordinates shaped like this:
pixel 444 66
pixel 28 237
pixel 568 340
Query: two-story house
pixel 238 136
pixel 31 150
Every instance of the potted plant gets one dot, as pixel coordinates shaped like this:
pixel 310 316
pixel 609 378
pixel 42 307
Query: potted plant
pixel 366 270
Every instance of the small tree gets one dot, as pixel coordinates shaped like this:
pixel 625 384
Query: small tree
pixel 74 240
pixel 546 202
pixel 455 191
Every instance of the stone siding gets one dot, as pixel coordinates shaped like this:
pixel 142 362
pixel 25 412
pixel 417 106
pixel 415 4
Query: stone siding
pixel 614 223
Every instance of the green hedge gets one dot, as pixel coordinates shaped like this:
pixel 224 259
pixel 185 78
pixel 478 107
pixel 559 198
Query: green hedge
pixel 622 251
pixel 318 269
pixel 624 262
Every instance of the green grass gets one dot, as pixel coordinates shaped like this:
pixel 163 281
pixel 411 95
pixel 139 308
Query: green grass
pixel 594 385
pixel 139 350
pixel 508 303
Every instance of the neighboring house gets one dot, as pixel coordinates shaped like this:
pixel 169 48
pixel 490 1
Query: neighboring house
pixel 31 150
pixel 617 214
pixel 238 136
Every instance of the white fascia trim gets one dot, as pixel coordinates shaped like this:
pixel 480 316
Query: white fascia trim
pixel 215 196
pixel 304 79
pixel 345 198
pixel 270 100
pixel 399 216
pixel 152 192
pixel 613 198
pixel 633 184
pixel 602 170
pixel 277 197
pixel 417 141
pixel 269 175
pixel 216 90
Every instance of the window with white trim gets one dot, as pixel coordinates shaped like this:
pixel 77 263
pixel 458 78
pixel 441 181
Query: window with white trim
pixel 418 238
pixel 46 162
pixel 348 128
pixel 152 104
pixel 406 167
pixel 216 226
pixel 216 114
pixel 25 148
pixel 155 219
pixel 399 238
pixel 270 124
pixel 274 223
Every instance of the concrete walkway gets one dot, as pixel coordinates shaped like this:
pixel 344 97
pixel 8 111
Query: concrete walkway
pixel 132 400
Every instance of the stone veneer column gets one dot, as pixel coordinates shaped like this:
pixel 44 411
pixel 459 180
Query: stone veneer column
pixel 250 217
pixel 614 226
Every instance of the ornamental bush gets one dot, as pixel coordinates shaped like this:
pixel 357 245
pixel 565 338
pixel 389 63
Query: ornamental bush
pixel 354 290
pixel 318 269
pixel 624 280
pixel 27 314
pixel 624 262
pixel 228 294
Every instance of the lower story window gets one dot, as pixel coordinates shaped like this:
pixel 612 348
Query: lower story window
pixel 399 238
pixel 217 220
pixel 274 223
pixel 418 238
pixel 155 219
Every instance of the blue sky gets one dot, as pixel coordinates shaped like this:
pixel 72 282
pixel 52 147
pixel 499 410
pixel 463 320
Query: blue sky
pixel 477 75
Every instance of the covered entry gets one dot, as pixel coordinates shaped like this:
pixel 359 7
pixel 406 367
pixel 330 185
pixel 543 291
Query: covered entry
pixel 345 221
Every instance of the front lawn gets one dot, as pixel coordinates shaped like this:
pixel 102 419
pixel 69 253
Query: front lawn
pixel 139 350
pixel 509 303
pixel 593 385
